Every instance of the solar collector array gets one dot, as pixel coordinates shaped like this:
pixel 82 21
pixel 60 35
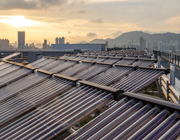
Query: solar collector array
pixel 52 64
pixel 47 61
pixel 131 119
pixel 110 61
pixel 89 59
pixel 91 71
pixel 62 66
pixel 37 62
pixel 4 65
pixel 99 59
pixel 66 110
pixel 30 98
pixel 126 61
pixel 111 75
pixel 138 79
pixel 143 63
pixel 79 58
pixel 13 76
pixel 57 115
pixel 75 69
pixel 9 70
pixel 21 84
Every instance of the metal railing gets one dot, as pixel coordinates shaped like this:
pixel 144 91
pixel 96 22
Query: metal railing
pixel 170 57
pixel 170 91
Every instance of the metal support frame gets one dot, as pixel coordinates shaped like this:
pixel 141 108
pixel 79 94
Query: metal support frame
pixel 158 84
pixel 167 91
pixel 159 61
pixel 172 74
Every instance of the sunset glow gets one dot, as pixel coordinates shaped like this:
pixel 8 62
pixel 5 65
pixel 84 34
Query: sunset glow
pixel 17 21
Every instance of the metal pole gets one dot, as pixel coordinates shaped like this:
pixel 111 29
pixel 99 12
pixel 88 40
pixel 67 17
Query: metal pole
pixel 159 61
pixel 172 74
pixel 167 90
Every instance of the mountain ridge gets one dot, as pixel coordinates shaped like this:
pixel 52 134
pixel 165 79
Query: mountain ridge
pixel 135 36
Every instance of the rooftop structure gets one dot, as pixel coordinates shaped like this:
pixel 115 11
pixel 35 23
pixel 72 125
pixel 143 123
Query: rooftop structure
pixel 89 47
pixel 53 95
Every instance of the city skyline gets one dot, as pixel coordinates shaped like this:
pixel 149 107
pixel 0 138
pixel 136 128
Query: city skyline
pixel 79 20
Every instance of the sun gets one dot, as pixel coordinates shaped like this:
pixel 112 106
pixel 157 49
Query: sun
pixel 17 21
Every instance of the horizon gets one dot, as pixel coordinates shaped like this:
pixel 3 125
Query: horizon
pixel 85 42
pixel 80 20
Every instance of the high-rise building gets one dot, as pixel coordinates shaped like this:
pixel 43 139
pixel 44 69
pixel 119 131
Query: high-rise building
pixel 60 40
pixel 4 44
pixel 45 44
pixel 142 43
pixel 63 40
pixel 21 39
pixel 57 40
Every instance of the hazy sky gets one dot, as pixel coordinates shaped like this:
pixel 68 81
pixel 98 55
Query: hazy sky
pixel 79 20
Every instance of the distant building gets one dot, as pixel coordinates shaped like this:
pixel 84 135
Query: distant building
pixel 107 45
pixel 21 40
pixel 57 40
pixel 60 41
pixel 90 47
pixel 160 46
pixel 4 44
pixel 27 46
pixel 142 43
pixel 63 40
pixel 45 44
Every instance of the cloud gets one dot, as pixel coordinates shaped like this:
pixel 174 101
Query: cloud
pixel 76 25
pixel 118 33
pixel 82 11
pixel 99 20
pixel 28 4
pixel 91 35
pixel 146 31
pixel 77 2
